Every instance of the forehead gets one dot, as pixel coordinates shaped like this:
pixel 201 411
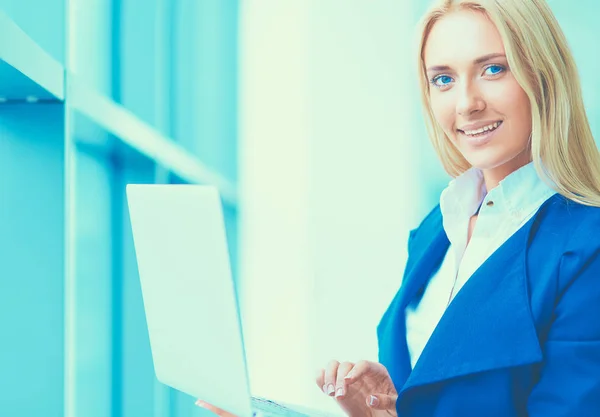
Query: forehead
pixel 461 36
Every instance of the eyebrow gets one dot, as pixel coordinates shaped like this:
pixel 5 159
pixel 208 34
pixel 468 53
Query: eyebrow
pixel 479 60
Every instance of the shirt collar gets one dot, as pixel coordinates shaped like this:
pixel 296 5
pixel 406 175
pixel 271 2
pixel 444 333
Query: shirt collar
pixel 463 195
pixel 519 192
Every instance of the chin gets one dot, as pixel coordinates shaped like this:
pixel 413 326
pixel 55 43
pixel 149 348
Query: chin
pixel 484 165
pixel 494 162
pixel 485 162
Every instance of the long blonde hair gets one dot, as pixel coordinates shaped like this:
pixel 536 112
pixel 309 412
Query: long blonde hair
pixel 562 146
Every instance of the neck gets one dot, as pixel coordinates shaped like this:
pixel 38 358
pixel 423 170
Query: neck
pixel 493 176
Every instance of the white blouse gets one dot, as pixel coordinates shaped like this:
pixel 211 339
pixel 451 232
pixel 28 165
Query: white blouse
pixel 503 211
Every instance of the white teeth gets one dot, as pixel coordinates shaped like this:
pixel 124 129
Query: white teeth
pixel 483 129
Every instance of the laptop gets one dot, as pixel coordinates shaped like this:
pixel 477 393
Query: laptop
pixel 189 298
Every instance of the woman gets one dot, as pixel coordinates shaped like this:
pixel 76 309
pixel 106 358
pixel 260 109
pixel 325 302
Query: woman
pixel 499 309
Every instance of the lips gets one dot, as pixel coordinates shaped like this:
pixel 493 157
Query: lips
pixel 480 130
pixel 479 140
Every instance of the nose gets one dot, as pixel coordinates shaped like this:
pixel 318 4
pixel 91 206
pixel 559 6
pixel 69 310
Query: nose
pixel 469 100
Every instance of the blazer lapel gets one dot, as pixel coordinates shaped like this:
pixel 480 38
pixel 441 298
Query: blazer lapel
pixel 427 250
pixel 428 259
pixel 488 325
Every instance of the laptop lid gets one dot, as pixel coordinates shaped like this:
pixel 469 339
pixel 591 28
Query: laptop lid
pixel 188 293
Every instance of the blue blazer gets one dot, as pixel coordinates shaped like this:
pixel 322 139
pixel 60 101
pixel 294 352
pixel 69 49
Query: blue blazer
pixel 521 338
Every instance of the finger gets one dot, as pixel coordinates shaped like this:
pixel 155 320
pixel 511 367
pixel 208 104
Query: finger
pixel 320 379
pixel 363 368
pixel 340 383
pixel 330 377
pixel 218 411
pixel 382 401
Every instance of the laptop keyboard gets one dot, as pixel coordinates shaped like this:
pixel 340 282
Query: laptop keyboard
pixel 269 408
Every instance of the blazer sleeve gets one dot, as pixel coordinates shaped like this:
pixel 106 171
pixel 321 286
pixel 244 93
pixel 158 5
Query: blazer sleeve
pixel 569 383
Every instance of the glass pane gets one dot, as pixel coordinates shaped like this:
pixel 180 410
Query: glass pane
pixel 41 20
pixel 31 260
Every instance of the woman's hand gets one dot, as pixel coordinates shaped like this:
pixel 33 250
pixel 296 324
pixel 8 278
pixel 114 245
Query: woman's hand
pixel 364 389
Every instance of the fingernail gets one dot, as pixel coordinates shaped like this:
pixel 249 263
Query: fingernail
pixel 200 403
pixel 330 389
pixel 373 400
pixel 325 389
pixel 339 392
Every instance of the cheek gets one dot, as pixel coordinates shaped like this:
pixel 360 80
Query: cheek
pixel 511 100
pixel 522 109
pixel 444 111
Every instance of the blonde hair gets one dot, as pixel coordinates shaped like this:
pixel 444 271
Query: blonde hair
pixel 562 146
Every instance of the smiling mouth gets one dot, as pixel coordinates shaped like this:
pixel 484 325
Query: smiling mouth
pixel 481 132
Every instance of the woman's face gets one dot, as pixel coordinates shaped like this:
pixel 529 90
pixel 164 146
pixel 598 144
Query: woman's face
pixel 474 96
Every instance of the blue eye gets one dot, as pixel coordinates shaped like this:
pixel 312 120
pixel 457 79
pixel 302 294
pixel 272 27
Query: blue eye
pixel 444 79
pixel 494 69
